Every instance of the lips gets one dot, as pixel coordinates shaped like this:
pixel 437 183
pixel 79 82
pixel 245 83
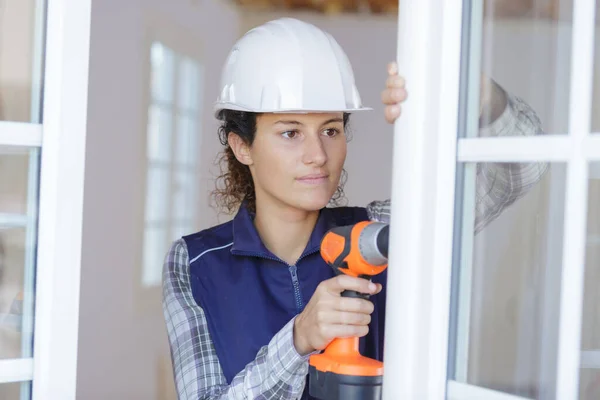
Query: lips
pixel 314 178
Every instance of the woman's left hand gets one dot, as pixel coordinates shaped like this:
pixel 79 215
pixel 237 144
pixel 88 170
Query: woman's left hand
pixel 394 94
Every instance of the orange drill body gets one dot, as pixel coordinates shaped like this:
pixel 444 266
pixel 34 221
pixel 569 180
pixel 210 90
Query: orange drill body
pixel 342 357
pixel 336 244
pixel 341 372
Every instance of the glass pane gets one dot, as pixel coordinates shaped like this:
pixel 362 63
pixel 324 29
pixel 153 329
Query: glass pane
pixel 596 81
pixel 519 55
pixel 18 223
pixel 21 53
pixel 184 201
pixel 589 388
pixel 187 133
pixel 160 132
pixel 156 245
pixel 189 84
pixel 15 391
pixel 14 170
pixel 157 193
pixel 163 73
pixel 590 335
pixel 12 263
pixel 506 280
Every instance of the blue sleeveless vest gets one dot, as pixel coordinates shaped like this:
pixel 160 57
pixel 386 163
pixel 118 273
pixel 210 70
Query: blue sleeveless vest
pixel 248 294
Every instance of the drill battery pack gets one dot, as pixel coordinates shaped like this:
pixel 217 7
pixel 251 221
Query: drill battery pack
pixel 332 386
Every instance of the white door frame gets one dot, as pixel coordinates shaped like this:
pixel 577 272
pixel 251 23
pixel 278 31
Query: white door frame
pixel 426 150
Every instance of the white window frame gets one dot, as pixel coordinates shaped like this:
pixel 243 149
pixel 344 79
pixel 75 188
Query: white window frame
pixel 419 277
pixel 169 33
pixel 61 199
pixel 62 137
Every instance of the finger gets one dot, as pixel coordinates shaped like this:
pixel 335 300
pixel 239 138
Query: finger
pixel 350 304
pixel 343 318
pixel 379 288
pixel 392 113
pixel 344 282
pixel 351 318
pixel 395 81
pixel 345 331
pixel 393 96
pixel 392 68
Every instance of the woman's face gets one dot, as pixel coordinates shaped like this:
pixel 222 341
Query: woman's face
pixel 297 159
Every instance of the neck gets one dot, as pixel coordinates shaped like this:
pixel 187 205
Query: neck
pixel 285 231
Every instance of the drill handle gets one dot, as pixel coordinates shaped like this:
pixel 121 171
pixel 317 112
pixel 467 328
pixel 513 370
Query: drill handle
pixel 355 294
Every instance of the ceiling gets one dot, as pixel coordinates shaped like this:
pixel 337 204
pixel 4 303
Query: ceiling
pixel 532 9
pixel 325 6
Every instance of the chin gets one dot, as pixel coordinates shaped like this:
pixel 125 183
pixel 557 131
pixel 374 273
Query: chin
pixel 313 202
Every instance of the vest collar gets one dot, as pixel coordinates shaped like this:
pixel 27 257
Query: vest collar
pixel 246 240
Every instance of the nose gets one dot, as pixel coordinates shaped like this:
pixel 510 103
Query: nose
pixel 314 151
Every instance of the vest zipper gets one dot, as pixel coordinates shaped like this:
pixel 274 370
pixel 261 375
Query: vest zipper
pixel 293 272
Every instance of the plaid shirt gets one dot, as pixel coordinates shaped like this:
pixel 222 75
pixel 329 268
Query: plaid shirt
pixel 278 371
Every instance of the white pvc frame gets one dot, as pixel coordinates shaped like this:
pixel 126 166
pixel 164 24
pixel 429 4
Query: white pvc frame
pixel 419 277
pixel 52 369
pixel 416 332
pixel 61 199
pixel 17 370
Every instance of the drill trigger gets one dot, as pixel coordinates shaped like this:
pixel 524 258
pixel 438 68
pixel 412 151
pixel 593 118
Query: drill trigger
pixel 340 267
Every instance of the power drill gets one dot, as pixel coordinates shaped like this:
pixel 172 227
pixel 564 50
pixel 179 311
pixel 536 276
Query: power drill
pixel 341 372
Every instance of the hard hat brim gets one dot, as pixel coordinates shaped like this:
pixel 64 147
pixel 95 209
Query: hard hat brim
pixel 219 106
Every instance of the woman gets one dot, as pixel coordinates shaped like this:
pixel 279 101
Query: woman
pixel 247 302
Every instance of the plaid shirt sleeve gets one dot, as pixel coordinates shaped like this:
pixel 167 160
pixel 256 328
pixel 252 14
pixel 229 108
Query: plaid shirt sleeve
pixel 277 372
pixel 497 185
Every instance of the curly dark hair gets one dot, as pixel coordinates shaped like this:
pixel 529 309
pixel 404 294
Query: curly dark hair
pixel 234 184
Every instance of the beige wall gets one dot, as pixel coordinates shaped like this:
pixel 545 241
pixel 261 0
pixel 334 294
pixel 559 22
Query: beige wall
pixel 122 348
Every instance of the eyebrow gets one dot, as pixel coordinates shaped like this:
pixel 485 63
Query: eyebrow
pixel 288 122
pixel 294 122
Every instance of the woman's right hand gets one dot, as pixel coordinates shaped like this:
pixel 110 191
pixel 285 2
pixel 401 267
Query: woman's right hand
pixel 328 315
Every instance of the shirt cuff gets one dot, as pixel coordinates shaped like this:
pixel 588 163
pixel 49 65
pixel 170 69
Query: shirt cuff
pixel 379 211
pixel 288 363
pixel 502 126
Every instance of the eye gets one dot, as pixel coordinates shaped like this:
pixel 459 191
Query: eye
pixel 290 134
pixel 331 132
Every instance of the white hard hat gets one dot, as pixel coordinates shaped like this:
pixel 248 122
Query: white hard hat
pixel 287 65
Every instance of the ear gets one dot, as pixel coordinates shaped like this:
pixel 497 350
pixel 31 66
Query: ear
pixel 240 149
